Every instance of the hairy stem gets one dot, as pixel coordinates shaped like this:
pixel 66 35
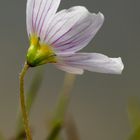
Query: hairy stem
pixel 22 102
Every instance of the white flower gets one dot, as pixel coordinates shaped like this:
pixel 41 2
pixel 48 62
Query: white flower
pixel 57 37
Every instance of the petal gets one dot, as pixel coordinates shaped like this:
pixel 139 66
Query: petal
pixel 73 29
pixel 92 62
pixel 63 21
pixel 39 15
pixel 70 69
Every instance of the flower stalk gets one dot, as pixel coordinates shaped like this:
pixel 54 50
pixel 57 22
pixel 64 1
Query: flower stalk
pixel 22 102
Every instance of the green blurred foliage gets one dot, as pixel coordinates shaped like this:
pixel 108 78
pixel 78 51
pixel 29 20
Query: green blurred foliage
pixel 1 136
pixel 59 114
pixel 134 117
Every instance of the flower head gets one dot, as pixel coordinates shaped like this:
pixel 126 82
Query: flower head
pixel 57 37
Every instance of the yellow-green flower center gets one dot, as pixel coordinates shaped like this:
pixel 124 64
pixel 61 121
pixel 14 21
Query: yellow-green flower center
pixel 39 53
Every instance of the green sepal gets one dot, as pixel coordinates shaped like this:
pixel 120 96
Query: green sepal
pixel 39 53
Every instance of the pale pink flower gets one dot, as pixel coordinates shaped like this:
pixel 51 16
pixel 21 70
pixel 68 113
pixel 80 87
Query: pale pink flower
pixel 64 34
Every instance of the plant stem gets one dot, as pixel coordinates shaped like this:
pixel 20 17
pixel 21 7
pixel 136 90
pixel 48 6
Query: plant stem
pixel 22 102
pixel 30 99
pixel 61 108
pixel 70 128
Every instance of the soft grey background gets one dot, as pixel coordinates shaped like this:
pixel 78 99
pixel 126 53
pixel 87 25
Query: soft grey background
pixel 99 101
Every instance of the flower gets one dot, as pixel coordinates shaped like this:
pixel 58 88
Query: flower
pixel 57 37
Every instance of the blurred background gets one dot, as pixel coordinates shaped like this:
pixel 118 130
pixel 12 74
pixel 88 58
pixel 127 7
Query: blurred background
pixel 99 101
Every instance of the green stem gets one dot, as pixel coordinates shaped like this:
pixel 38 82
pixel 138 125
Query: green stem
pixel 30 99
pixel 71 129
pixel 59 114
pixel 22 102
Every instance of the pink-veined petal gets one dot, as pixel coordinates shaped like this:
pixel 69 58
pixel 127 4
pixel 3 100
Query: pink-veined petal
pixel 39 14
pixel 70 69
pixel 92 62
pixel 73 29
pixel 63 21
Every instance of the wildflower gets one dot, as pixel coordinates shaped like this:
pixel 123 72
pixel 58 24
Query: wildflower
pixel 57 37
